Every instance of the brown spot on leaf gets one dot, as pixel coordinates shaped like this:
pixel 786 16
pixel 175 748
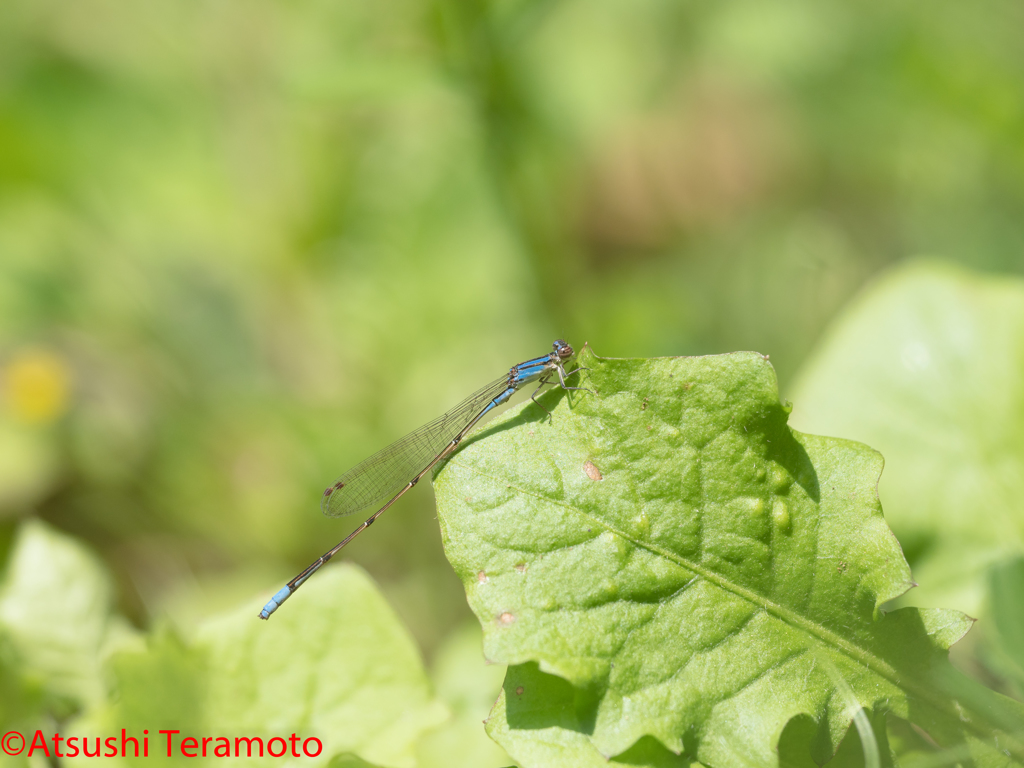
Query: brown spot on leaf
pixel 506 618
pixel 592 471
pixel 519 690
pixel 481 577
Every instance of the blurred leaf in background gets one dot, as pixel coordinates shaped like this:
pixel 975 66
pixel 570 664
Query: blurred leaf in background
pixel 928 367
pixel 57 629
pixel 340 668
pixel 56 610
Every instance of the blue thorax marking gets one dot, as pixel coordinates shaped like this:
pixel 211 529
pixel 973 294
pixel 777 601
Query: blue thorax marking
pixel 535 362
pixel 528 373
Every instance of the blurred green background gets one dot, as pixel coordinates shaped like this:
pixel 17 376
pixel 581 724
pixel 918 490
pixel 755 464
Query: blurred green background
pixel 244 245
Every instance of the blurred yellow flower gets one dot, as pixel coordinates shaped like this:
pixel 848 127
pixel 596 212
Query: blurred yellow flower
pixel 36 386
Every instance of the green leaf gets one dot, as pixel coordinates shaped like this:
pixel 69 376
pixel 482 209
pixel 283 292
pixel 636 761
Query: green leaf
pixel 546 729
pixel 928 367
pixel 21 702
pixel 337 665
pixel 866 744
pixel 55 605
pixel 694 570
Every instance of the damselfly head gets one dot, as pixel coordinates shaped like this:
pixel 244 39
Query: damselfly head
pixel 563 350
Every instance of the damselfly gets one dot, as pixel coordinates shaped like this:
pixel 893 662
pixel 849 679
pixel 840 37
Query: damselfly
pixel 390 473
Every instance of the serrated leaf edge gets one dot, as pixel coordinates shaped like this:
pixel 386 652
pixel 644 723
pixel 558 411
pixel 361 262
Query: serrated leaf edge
pixel 795 620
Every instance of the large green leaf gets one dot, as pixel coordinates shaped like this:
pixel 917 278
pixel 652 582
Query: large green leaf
pixel 55 605
pixel 56 625
pixel 695 571
pixel 337 665
pixel 928 367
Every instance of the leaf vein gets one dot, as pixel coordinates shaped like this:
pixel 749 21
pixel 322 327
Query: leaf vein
pixel 821 633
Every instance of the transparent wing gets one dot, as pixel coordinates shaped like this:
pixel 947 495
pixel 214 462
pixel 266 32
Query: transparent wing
pixel 381 476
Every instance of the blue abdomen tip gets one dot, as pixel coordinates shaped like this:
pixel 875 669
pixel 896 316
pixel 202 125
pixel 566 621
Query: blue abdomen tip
pixel 275 602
